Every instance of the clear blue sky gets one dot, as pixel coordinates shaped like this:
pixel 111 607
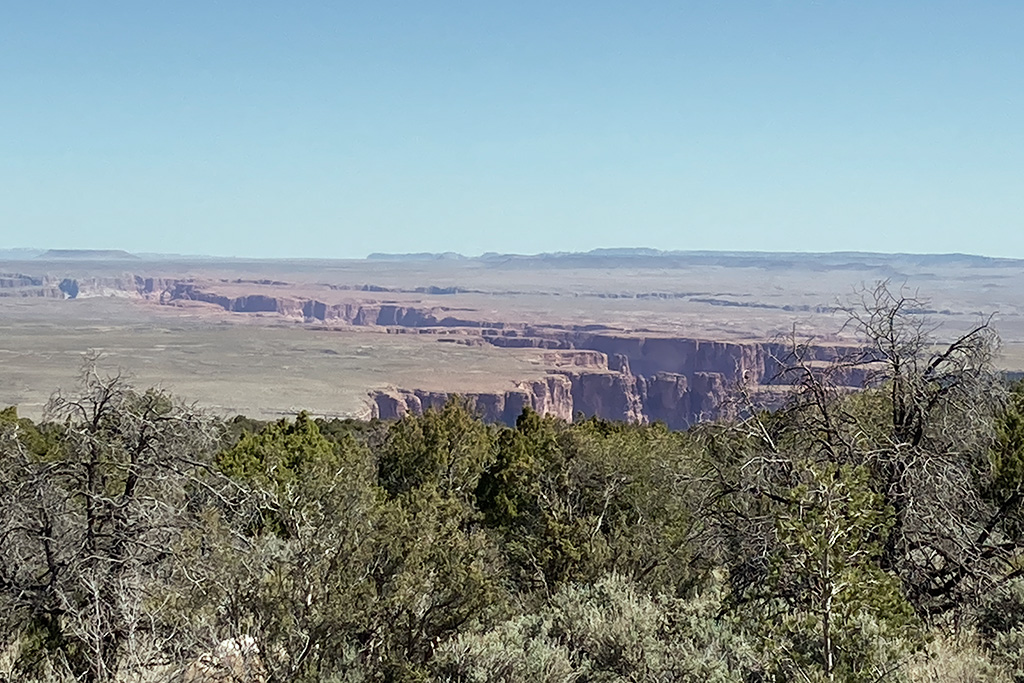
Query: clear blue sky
pixel 335 129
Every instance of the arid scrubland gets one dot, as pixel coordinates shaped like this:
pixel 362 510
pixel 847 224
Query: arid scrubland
pixel 843 535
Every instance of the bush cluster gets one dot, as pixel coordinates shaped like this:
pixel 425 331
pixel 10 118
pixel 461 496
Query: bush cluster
pixel 870 536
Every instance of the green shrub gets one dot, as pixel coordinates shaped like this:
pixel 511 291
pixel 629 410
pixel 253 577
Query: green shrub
pixel 604 633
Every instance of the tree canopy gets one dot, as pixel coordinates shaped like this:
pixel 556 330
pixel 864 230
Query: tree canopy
pixel 837 538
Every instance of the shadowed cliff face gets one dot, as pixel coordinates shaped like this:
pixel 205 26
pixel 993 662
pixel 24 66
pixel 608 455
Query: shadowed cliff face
pixel 680 400
pixel 615 375
pixel 588 369
pixel 701 381
pixel 551 395
pixel 683 400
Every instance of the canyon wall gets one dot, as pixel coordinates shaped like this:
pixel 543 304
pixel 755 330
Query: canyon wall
pixel 705 387
pixel 550 395
pixel 60 287
pixel 591 370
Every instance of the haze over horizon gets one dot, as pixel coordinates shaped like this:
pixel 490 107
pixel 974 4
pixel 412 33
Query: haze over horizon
pixel 334 130
pixel 19 253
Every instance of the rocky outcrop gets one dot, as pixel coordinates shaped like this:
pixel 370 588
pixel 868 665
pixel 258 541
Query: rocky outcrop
pixel 666 397
pixel 609 374
pixel 249 303
pixel 640 379
pixel 586 369
pixel 650 355
pixel 19 285
pixel 583 359
pixel 63 287
pixel 551 395
pixel 608 395
pixel 17 280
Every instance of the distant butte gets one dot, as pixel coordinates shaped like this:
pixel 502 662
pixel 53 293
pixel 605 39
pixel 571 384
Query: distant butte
pixel 88 254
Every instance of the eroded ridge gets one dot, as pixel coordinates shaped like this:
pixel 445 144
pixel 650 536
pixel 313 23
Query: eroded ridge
pixel 608 373
pixel 582 368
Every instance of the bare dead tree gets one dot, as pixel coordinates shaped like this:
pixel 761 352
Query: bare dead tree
pixel 923 425
pixel 933 459
pixel 91 528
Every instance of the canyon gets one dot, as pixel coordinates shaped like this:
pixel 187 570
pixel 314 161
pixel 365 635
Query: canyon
pixel 670 342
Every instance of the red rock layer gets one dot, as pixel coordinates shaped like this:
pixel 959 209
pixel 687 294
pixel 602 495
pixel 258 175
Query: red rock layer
pixel 611 374
pixel 592 370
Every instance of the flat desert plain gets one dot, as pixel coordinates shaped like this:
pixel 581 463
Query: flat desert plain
pixel 271 337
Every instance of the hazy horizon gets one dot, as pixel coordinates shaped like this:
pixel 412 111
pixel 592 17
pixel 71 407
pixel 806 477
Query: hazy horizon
pixel 35 253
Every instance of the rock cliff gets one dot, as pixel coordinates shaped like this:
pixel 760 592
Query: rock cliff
pixel 612 374
pixel 550 395
pixel 63 287
pixel 677 381
pixel 584 369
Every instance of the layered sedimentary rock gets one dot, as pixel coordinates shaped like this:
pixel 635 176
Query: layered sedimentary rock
pixel 61 287
pixel 550 395
pixel 591 370
pixel 682 400
pixel 610 395
pixel 17 280
pixel 674 380
pixel 703 384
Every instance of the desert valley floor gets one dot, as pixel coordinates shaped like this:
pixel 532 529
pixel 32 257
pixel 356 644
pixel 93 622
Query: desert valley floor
pixel 623 335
